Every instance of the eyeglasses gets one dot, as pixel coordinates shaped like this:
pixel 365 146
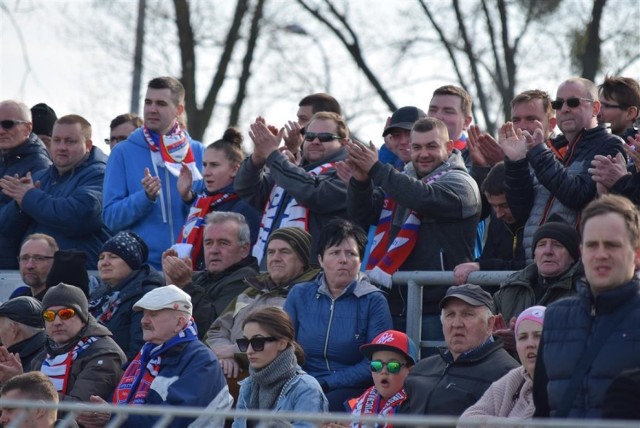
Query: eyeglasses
pixel 64 314
pixel 572 102
pixel 607 105
pixel 324 137
pixel 257 343
pixel 8 124
pixel 393 367
pixel 36 258
pixel 116 139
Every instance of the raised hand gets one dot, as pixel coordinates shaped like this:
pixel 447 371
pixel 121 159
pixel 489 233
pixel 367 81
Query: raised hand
pixel 185 181
pixel 151 185
pixel 512 142
pixel 606 170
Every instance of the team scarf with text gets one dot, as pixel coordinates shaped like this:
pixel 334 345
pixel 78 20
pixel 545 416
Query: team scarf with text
pixel 372 403
pixel 294 214
pixel 384 259
pixel 57 367
pixel 191 232
pixel 172 150
pixel 136 380
pixel 104 308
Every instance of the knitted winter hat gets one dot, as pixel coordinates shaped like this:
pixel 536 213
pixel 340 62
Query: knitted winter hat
pixel 43 117
pixel 70 267
pixel 556 228
pixel 534 313
pixel 68 296
pixel 299 240
pixel 129 247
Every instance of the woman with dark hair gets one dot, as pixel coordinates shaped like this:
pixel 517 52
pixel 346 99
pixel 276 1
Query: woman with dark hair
pixel 125 276
pixel 275 380
pixel 220 163
pixel 338 312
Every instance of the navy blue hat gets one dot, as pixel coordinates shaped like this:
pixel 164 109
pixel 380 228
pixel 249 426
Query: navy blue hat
pixel 43 118
pixel 129 247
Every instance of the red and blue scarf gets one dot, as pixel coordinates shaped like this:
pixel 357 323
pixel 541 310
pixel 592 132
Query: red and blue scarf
pixel 172 150
pixel 191 232
pixel 137 379
pixel 385 259
pixel 57 367
pixel 372 403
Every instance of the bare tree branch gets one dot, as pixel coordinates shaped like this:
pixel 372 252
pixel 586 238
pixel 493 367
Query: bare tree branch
pixel 246 64
pixel 591 54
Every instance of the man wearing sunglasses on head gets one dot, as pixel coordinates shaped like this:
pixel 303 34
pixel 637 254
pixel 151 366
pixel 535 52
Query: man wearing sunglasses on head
pixel 305 196
pixel 21 151
pixel 560 182
pixel 79 355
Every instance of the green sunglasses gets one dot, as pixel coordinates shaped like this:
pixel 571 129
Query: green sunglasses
pixel 393 367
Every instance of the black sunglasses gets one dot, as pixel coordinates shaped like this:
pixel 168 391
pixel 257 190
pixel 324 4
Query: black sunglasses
pixel 572 102
pixel 324 137
pixel 8 124
pixel 257 343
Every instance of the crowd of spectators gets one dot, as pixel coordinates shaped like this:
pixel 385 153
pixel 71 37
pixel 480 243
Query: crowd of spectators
pixel 264 280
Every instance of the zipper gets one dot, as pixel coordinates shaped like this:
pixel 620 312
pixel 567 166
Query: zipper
pixel 326 337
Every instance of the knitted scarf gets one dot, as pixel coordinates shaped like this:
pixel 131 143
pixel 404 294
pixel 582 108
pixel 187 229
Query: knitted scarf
pixel 191 232
pixel 58 365
pixel 136 380
pixel 269 381
pixel 293 215
pixel 385 259
pixel 104 308
pixel 172 150
pixel 372 403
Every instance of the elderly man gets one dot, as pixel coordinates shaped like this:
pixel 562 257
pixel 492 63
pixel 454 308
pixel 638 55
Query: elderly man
pixel 287 265
pixel 22 151
pixel 35 387
pixel 22 335
pixel 226 243
pixel 448 383
pixel 560 182
pixel 66 202
pixel 173 368
pixel 590 338
pixel 552 276
pixel 79 356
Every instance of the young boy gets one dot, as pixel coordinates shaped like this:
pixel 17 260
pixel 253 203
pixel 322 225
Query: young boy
pixel 391 355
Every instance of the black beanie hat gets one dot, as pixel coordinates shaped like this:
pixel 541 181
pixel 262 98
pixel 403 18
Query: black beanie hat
pixel 43 117
pixel 129 247
pixel 70 267
pixel 24 309
pixel 299 240
pixel 68 296
pixel 562 232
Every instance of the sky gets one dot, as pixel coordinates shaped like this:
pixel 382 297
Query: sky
pixel 57 58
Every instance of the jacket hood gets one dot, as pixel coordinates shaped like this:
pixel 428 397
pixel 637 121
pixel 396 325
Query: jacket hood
pixel 262 282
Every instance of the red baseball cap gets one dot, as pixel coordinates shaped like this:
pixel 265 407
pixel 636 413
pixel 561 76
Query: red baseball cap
pixel 392 340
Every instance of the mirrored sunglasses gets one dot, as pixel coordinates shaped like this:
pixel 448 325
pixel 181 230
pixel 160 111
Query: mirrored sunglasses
pixel 393 367
pixel 64 314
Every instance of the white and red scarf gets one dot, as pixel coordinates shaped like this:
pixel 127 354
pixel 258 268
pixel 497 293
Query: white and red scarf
pixel 294 214
pixel 57 368
pixel 384 259
pixel 172 150
pixel 191 232
pixel 372 403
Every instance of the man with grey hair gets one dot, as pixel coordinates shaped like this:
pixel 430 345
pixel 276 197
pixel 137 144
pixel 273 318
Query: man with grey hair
pixel 21 151
pixel 448 383
pixel 560 183
pixel 227 246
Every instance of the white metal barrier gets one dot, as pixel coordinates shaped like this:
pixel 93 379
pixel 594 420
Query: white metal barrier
pixel 270 419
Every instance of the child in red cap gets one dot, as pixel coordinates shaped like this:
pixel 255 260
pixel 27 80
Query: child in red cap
pixel 391 355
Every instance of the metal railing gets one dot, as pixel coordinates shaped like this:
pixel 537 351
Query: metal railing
pixel 215 418
pixel 416 280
